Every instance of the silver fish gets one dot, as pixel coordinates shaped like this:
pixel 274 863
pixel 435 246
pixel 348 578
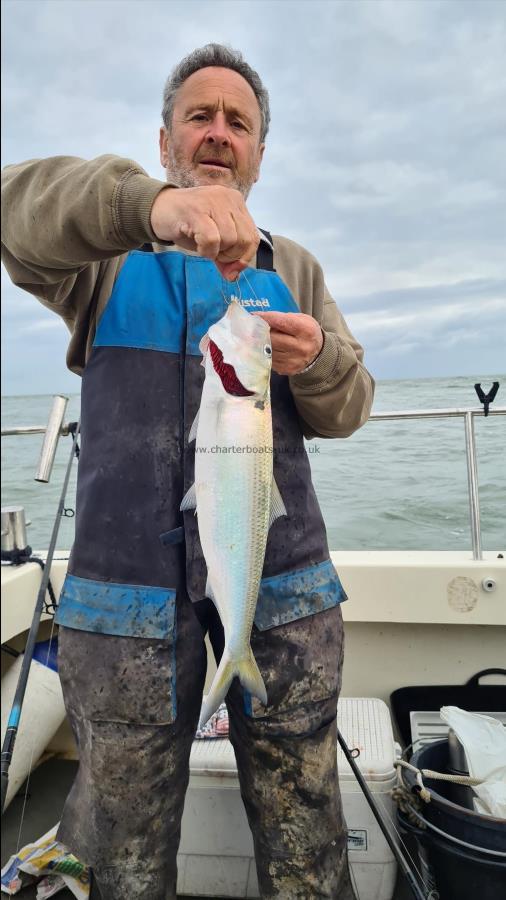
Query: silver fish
pixel 235 496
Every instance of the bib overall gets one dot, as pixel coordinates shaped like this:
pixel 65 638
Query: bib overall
pixel 133 613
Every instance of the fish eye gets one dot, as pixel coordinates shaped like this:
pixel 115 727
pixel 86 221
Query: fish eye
pixel 268 350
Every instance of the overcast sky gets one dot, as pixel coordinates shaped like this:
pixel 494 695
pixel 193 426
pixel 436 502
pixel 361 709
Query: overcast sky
pixel 386 156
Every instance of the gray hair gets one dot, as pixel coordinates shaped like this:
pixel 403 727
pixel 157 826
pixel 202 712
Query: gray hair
pixel 226 58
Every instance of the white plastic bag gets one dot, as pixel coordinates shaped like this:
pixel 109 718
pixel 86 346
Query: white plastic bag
pixel 484 741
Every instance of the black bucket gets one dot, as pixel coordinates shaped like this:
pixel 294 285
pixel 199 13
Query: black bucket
pixel 450 870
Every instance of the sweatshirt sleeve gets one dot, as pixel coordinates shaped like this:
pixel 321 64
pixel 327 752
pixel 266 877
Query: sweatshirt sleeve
pixel 63 217
pixel 334 397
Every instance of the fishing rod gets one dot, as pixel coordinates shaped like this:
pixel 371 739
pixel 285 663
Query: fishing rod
pixel 396 850
pixel 17 704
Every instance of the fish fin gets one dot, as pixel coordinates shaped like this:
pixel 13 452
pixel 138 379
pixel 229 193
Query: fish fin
pixel 278 508
pixel 189 500
pixel 203 346
pixel 193 429
pixel 249 676
pixel 219 688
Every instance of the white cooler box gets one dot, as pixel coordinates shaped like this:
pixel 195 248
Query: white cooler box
pixel 216 851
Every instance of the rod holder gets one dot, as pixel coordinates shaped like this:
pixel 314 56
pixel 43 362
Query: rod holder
pixel 14 541
pixel 52 435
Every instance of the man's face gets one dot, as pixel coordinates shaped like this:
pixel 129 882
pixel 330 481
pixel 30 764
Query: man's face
pixel 215 132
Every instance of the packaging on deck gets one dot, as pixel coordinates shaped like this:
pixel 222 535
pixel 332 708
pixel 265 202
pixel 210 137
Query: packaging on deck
pixel 46 857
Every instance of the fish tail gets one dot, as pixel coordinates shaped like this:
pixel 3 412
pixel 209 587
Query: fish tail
pixel 249 676
pixel 251 679
pixel 227 669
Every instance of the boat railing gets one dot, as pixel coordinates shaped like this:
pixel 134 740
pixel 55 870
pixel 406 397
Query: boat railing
pixel 468 415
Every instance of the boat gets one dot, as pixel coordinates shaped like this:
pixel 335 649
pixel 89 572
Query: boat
pixel 418 617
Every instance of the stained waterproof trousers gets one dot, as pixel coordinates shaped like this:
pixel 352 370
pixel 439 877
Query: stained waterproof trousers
pixel 134 705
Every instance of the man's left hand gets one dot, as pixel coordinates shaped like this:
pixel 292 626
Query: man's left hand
pixel 296 341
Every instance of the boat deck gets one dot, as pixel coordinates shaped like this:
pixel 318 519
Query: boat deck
pixel 48 788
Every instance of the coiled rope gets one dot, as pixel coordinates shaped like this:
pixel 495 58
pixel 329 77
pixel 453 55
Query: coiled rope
pixel 411 803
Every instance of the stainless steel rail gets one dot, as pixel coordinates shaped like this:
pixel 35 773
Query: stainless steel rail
pixel 32 429
pixel 438 413
pixel 466 413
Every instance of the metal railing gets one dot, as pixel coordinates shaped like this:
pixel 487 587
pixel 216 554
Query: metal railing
pixel 33 429
pixel 466 413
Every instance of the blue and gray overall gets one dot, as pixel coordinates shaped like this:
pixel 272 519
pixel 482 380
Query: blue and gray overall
pixel 133 614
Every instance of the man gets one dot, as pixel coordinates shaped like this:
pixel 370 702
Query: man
pixel 139 269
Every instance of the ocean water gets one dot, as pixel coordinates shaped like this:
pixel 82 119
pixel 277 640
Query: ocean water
pixel 391 485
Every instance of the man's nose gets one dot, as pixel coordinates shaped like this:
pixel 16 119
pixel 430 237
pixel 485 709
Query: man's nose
pixel 217 132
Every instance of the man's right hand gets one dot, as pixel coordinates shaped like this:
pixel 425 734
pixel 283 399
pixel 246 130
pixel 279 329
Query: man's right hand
pixel 212 220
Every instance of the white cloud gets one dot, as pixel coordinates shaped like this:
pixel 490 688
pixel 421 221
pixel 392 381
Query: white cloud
pixel 385 157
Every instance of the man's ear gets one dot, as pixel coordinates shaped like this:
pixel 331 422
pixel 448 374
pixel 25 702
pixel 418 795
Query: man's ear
pixel 259 161
pixel 164 147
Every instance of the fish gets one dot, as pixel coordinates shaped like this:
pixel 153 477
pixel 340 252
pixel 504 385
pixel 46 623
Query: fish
pixel 235 496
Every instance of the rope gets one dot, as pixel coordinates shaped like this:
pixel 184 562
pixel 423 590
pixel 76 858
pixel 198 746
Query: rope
pixel 436 776
pixel 410 803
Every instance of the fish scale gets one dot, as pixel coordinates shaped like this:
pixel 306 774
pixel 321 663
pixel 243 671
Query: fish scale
pixel 234 494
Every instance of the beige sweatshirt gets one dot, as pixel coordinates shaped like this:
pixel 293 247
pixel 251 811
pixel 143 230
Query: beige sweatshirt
pixel 67 225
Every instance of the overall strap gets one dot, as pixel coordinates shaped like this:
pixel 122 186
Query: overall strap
pixel 265 252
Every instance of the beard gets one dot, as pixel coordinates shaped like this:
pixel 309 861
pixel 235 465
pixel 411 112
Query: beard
pixel 183 175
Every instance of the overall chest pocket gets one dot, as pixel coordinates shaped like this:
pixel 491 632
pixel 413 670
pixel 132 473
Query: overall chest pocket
pixel 117 651
pixel 298 640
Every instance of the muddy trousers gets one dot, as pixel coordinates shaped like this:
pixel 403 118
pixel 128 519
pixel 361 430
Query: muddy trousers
pixel 134 705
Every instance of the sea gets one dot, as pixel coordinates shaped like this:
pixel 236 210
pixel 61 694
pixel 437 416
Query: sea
pixel 399 485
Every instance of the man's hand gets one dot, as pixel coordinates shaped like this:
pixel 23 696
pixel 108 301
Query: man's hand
pixel 296 341
pixel 211 220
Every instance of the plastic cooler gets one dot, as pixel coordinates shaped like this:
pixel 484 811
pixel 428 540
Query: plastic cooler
pixel 216 851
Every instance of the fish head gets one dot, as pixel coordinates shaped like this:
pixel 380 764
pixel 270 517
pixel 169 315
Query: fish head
pixel 240 351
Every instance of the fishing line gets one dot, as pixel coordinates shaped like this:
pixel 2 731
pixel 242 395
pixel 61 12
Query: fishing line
pixel 388 815
pixel 396 850
pixel 25 798
pixel 226 297
pixel 252 289
pixel 403 843
pixel 32 748
pixel 400 838
pixel 353 881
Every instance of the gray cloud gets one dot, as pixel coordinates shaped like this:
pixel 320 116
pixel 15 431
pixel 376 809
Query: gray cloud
pixel 385 157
